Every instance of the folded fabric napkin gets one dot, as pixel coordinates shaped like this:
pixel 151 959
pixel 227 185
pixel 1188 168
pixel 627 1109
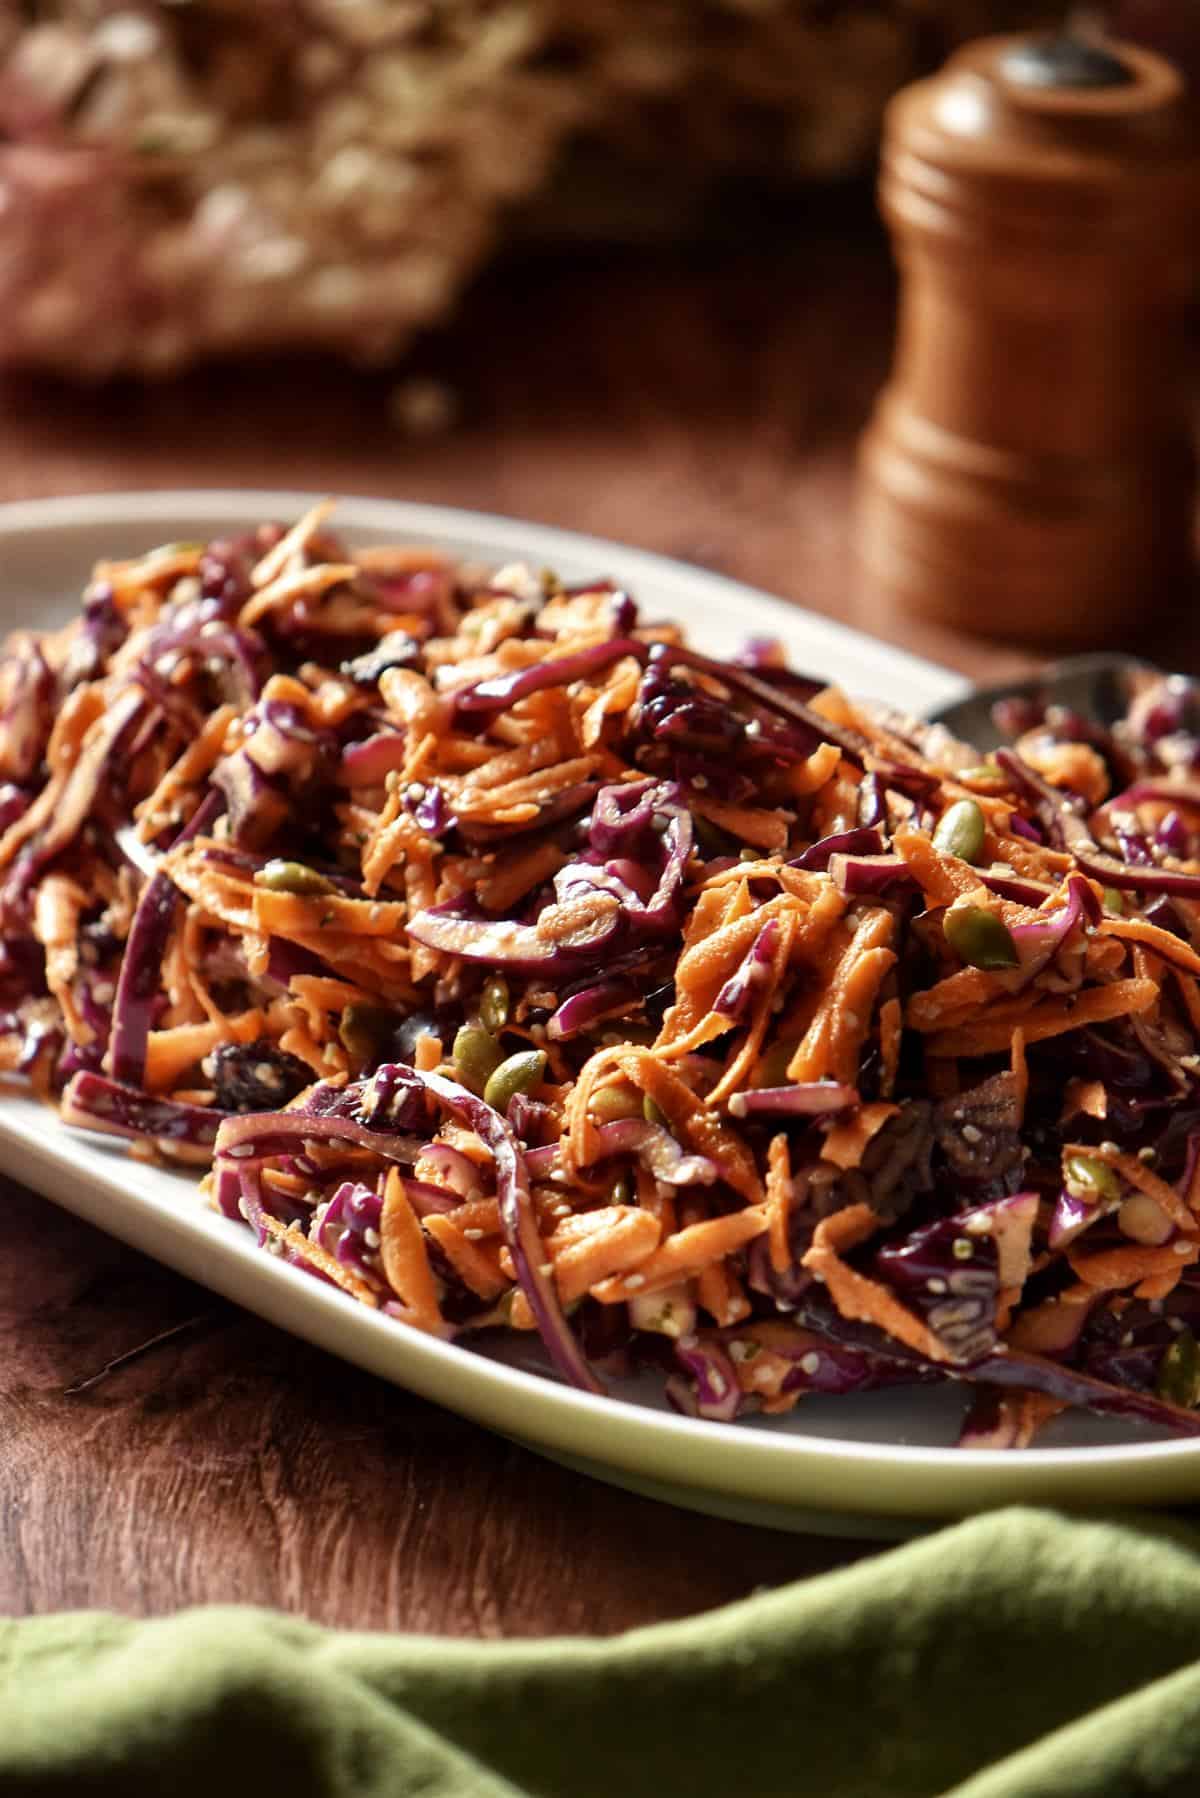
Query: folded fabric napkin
pixel 1020 1653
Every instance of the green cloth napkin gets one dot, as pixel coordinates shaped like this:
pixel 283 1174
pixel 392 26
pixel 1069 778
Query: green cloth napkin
pixel 1020 1653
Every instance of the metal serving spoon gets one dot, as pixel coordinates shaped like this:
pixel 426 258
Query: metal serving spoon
pixel 1096 686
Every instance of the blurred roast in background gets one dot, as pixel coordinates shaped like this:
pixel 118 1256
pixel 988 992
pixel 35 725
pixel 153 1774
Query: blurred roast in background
pixel 205 177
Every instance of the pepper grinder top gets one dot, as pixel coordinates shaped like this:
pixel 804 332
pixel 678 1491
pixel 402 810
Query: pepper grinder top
pixel 1028 470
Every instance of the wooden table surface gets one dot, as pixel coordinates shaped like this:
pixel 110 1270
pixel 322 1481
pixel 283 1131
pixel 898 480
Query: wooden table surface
pixel 159 1447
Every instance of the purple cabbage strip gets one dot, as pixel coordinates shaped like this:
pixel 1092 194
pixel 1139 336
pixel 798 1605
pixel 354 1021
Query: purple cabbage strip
pixel 708 1386
pixel 736 998
pixel 858 876
pixel 141 964
pixel 872 804
pixel 93 1102
pixel 816 858
pixel 755 686
pixel 350 1213
pixel 504 943
pixel 606 999
pixel 368 763
pixel 14 803
pixel 503 690
pixel 808 1098
pixel 660 1152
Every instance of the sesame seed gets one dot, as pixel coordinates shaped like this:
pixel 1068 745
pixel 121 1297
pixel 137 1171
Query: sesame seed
pixel 963 1250
pixel 547 1268
pixel 1148 1155
pixel 634 1282
pixel 1183 1248
pixel 936 1284
pixel 1110 1148
pixel 810 1363
pixel 700 781
pixel 473 1235
pixel 371 1238
pixel 971 1133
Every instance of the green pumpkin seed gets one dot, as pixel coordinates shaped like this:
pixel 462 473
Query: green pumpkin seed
pixel 961 831
pixel 519 1074
pixel 985 775
pixel 613 1103
pixel 293 877
pixel 476 1055
pixel 622 1192
pixel 1090 1180
pixel 366 1032
pixel 654 1114
pixel 494 1004
pixel 1179 1372
pixel 978 937
pixel 1114 901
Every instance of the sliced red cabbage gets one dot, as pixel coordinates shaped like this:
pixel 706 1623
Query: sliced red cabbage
pixel 708 1386
pixel 141 964
pixel 736 998
pixel 502 690
pixel 658 1151
pixel 858 876
pixel 563 936
pixel 806 1098
pixel 817 857
pixel 767 693
pixel 93 1102
pixel 368 764
pixel 606 999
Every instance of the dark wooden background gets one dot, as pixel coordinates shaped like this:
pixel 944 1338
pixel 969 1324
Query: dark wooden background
pixel 706 407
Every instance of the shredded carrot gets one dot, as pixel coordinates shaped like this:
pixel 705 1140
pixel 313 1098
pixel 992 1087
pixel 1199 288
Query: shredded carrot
pixel 687 1252
pixel 1138 930
pixel 834 1039
pixel 405 1258
pixel 721 1294
pixel 992 1035
pixel 779 1202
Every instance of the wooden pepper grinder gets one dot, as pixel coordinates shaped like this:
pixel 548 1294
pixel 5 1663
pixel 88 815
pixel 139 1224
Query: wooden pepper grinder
pixel 1029 468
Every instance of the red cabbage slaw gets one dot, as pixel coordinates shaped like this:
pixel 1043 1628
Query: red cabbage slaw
pixel 512 966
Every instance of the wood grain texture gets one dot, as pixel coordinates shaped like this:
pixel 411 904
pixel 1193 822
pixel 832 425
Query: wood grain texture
pixel 706 410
